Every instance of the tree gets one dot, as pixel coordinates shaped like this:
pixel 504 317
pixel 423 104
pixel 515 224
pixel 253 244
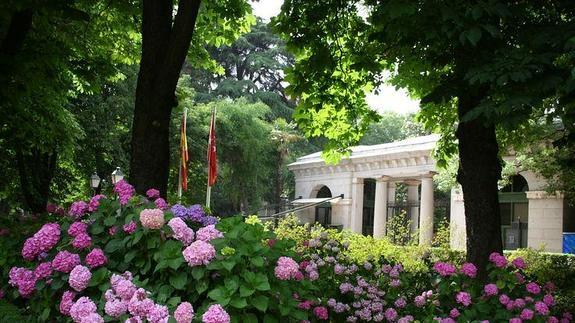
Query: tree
pixel 392 127
pixel 481 66
pixel 49 53
pixel 166 42
pixel 251 67
pixel 282 136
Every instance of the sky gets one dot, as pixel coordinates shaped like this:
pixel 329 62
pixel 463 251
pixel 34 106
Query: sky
pixel 388 99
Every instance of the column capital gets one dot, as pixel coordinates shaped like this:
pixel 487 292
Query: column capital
pixel 357 180
pixel 428 175
pixel 411 182
pixel 383 179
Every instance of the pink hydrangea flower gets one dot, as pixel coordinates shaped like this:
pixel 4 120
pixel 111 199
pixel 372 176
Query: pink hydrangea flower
pixel 125 289
pixel 321 312
pixel 82 241
pixel 497 259
pixel 515 320
pixel 31 249
pixel 157 314
pixel 548 300
pixel 519 263
pixel 454 313
pixel 504 299
pixel 77 228
pixel 542 308
pixel 199 253
pixel 66 302
pixel 419 301
pixel 79 278
pixel 112 230
pixel 152 193
pixel 65 261
pixel 469 270
pixel 161 204
pixel 44 270
pixel 125 191
pixel 526 314
pixel 152 218
pixel 82 308
pixel 78 209
pixel 24 279
pixel 42 241
pixel 92 318
pixel 216 314
pixel 208 233
pixel 533 288
pixel 115 307
pixel 390 314
pixel 286 268
pixel 96 258
pixel 130 227
pixel 95 202
pixel 181 231
pixel 184 313
pixel 490 290
pixel 444 269
pixel 463 298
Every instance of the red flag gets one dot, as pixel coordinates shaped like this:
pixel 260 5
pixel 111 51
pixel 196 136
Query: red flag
pixel 212 158
pixel 183 155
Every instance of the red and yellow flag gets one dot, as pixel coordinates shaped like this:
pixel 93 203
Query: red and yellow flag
pixel 183 155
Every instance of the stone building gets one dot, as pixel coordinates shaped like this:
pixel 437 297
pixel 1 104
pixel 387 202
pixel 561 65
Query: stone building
pixel 366 183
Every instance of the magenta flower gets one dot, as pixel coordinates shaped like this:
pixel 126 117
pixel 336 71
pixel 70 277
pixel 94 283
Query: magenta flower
pixel 130 227
pixel 24 279
pixel 497 259
pixel 490 290
pixel 286 268
pixel 390 314
pixel 454 313
pixel 76 228
pixel 526 314
pixel 519 263
pixel 463 298
pixel 184 313
pixel 199 253
pixel 65 261
pixel 152 193
pixel 216 314
pixel 78 209
pixel 115 307
pixel 96 258
pixel 82 308
pixel 79 278
pixel 161 204
pixel 82 241
pixel 444 269
pixel 208 233
pixel 469 270
pixel 125 191
pixel 44 270
pixel 158 313
pixel 533 288
pixel 66 302
pixel 181 231
pixel 542 308
pixel 95 202
pixel 321 312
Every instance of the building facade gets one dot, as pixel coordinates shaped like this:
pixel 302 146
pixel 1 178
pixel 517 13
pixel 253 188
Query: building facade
pixel 366 183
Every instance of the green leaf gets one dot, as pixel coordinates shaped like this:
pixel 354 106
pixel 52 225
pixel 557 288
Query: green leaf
pixel 228 264
pixel 218 294
pixel 260 302
pixel 175 263
pixel 198 273
pixel 474 35
pixel 113 245
pixel 261 282
pixel 110 221
pixel 231 284
pixel 268 318
pixel 246 291
pixel 249 318
pixel 130 256
pixel 239 302
pixel 96 229
pixel 179 280
pixel 201 286
pixel 257 261
pixel 98 277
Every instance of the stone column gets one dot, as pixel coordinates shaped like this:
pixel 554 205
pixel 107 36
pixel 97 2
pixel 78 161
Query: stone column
pixel 380 208
pixel 545 221
pixel 391 192
pixel 413 198
pixel 357 205
pixel 426 215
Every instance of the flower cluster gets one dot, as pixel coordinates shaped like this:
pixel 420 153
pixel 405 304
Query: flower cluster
pixel 286 268
pixel 79 278
pixel 208 233
pixel 65 261
pixel 130 227
pixel 152 218
pixel 77 228
pixel 161 204
pixel 181 231
pixel 152 193
pixel 23 279
pixel 42 241
pixel 95 202
pixel 96 258
pixel 125 191
pixel 193 213
pixel 199 253
pixel 78 209
pixel 84 310
pixel 216 314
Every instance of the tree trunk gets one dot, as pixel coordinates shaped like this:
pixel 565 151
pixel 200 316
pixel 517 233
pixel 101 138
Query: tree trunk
pixel 36 171
pixel 164 49
pixel 479 171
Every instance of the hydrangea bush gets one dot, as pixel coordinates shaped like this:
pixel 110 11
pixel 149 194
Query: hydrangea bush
pixel 131 258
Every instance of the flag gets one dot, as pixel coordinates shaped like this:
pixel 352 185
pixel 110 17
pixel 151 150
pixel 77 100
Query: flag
pixel 212 158
pixel 183 155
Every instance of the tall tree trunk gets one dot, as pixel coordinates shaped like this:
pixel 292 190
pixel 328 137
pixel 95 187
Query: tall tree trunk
pixel 36 171
pixel 164 49
pixel 479 171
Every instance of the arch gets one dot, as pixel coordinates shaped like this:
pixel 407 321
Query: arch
pixel 517 183
pixel 320 191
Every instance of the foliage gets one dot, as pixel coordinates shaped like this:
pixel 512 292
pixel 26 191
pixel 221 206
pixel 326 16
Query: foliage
pixel 392 127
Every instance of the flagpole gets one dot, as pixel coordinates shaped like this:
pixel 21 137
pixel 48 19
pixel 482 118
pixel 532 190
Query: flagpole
pixel 209 188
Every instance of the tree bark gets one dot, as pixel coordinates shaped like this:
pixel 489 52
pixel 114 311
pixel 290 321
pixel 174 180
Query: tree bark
pixel 36 171
pixel 479 171
pixel 164 49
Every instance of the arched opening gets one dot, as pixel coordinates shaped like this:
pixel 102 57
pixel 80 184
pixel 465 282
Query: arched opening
pixel 368 206
pixel 514 209
pixel 323 211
